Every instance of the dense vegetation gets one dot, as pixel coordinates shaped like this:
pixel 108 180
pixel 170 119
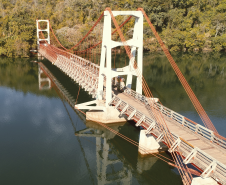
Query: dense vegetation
pixel 182 24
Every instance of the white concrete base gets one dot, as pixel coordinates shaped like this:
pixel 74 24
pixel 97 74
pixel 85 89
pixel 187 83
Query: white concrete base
pixel 111 115
pixel 203 181
pixel 148 144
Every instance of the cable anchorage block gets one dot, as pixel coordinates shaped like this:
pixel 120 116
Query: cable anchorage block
pixel 190 156
pixel 175 144
pixel 140 121
pixel 132 114
pixel 150 127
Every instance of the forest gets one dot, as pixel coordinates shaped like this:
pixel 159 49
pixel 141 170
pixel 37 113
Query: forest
pixel 184 25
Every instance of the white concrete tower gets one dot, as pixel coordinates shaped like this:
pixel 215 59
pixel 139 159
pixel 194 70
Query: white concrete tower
pixel 42 30
pixel 136 44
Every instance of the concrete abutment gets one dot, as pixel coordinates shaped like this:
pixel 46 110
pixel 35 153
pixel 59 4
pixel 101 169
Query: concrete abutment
pixel 111 115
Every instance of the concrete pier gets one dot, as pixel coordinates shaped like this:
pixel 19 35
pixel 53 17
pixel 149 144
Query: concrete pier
pixel 148 144
pixel 203 181
pixel 111 115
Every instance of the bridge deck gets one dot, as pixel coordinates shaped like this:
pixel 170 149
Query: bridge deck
pixel 184 133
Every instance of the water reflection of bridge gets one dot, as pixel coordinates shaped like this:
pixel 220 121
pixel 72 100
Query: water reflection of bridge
pixel 53 82
pixel 109 167
pixel 117 161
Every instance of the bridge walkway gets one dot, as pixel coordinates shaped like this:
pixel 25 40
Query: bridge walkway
pixel 194 144
pixel 192 138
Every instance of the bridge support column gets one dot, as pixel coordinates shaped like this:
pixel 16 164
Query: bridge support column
pixel 203 181
pixel 148 144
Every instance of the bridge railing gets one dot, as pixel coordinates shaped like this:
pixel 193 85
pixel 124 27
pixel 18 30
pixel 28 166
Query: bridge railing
pixel 192 154
pixel 79 69
pixel 79 60
pixel 183 121
pixel 94 68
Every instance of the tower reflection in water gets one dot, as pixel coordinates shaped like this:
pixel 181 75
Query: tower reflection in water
pixel 109 167
pixel 44 82
pixel 117 160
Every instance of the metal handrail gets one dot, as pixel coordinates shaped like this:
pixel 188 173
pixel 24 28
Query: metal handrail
pixel 197 128
pixel 75 67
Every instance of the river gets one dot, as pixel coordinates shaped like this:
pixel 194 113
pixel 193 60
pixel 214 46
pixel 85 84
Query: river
pixel 44 141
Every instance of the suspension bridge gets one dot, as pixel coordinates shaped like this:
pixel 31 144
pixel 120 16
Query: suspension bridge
pixel 90 63
pixel 110 152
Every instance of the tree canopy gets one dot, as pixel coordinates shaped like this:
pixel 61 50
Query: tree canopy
pixel 182 24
